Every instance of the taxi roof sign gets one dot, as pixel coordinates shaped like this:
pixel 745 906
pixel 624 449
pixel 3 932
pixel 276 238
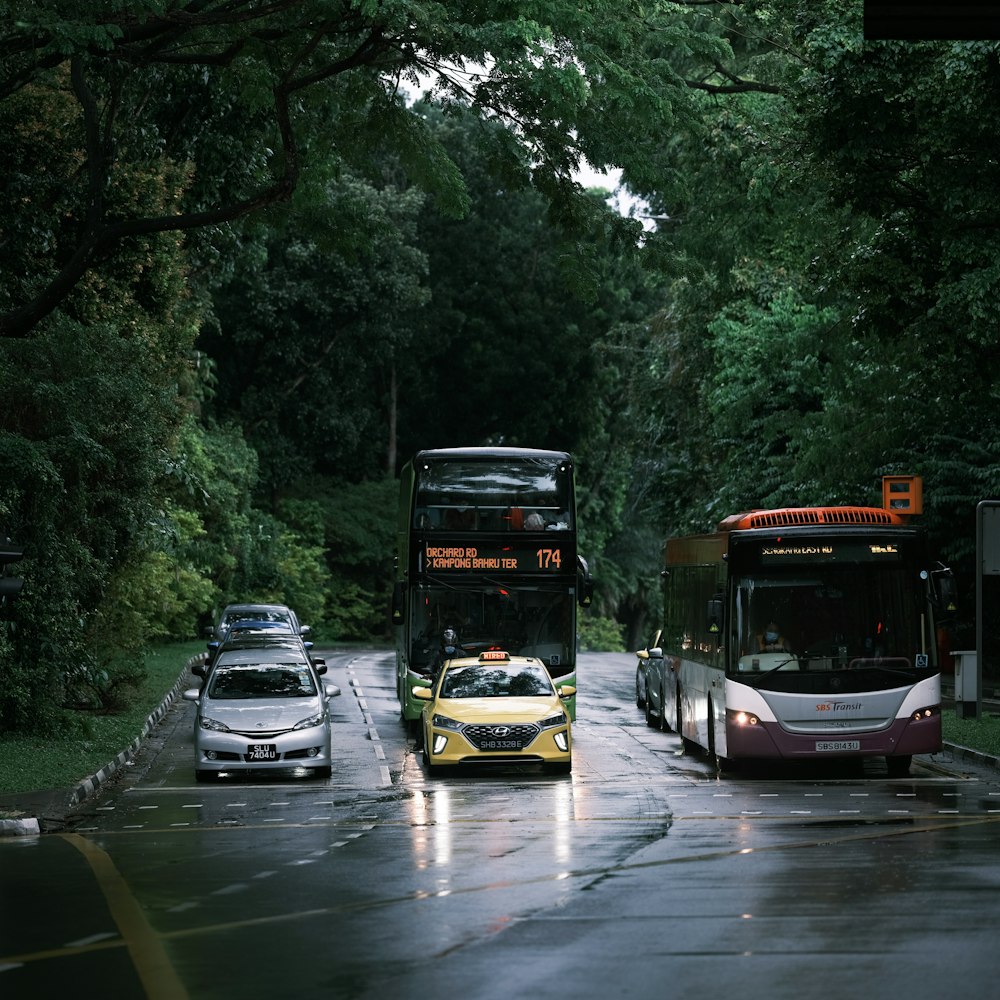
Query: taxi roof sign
pixel 494 654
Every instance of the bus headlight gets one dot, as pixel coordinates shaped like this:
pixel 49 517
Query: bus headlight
pixel 741 719
pixel 926 713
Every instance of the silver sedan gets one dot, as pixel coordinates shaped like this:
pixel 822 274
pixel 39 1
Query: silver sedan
pixel 262 709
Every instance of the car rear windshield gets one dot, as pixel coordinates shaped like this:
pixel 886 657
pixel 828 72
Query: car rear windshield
pixel 262 680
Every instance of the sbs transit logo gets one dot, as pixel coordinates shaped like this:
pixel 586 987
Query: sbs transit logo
pixel 839 706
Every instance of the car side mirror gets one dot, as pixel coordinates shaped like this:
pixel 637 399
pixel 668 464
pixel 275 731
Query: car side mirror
pixel 331 690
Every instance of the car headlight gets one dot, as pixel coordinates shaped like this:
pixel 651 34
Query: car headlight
pixel 218 727
pixel 313 720
pixel 443 722
pixel 553 720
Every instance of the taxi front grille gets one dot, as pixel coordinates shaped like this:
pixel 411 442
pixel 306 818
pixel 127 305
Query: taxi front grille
pixel 498 736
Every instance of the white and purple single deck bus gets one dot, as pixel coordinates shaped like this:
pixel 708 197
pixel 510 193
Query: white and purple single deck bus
pixel 804 633
pixel 486 559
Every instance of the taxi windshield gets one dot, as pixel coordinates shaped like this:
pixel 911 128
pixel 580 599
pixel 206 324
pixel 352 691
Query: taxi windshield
pixel 481 680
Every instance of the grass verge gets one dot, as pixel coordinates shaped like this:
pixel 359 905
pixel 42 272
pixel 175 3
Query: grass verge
pixel 982 734
pixel 35 763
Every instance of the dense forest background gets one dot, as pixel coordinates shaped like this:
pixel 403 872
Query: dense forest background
pixel 253 256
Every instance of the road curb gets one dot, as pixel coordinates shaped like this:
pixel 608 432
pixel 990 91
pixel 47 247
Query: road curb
pixel 29 826
pixel 966 753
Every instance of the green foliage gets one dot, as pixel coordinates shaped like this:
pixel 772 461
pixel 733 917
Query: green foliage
pixel 237 108
pixel 599 634
pixel 356 522
pixel 366 277
pixel 84 741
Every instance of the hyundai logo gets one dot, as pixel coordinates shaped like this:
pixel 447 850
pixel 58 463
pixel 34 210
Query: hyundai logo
pixel 501 730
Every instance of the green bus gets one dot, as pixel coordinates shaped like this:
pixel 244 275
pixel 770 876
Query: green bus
pixel 487 559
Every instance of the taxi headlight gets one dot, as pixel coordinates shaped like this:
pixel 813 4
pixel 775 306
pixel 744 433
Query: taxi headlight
pixel 216 727
pixel 553 720
pixel 313 720
pixel 443 722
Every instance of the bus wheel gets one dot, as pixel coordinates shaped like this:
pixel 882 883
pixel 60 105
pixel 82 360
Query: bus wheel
pixel 899 767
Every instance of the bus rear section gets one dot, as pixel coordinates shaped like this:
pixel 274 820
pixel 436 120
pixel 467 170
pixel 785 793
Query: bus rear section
pixel 817 641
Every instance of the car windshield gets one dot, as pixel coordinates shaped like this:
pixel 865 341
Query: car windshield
pixel 262 680
pixel 482 681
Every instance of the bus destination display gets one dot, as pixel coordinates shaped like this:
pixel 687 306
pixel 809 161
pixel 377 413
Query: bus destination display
pixel 823 550
pixel 520 557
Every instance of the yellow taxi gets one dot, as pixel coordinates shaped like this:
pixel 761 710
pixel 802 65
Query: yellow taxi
pixel 495 708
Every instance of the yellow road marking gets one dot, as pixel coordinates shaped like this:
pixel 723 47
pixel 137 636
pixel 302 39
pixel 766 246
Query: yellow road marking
pixel 157 974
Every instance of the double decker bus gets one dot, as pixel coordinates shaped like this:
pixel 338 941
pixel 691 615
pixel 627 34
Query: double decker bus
pixel 487 559
pixel 804 633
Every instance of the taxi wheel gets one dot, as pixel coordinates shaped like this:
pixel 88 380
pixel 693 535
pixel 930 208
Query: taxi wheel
pixel 563 768
pixel 322 772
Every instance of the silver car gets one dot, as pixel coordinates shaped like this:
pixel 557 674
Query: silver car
pixel 262 709
pixel 270 616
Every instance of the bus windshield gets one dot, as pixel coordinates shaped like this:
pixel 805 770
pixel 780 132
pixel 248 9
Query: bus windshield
pixel 502 494
pixel 855 621
pixel 523 620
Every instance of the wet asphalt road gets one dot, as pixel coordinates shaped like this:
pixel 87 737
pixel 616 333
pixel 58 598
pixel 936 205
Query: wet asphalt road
pixel 644 873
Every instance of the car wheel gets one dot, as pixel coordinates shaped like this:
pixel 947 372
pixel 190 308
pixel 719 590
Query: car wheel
pixel 640 702
pixel 323 772
pixel 203 776
pixel 664 724
pixel 651 719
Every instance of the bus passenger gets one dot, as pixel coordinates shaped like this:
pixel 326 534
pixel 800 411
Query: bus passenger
pixel 534 522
